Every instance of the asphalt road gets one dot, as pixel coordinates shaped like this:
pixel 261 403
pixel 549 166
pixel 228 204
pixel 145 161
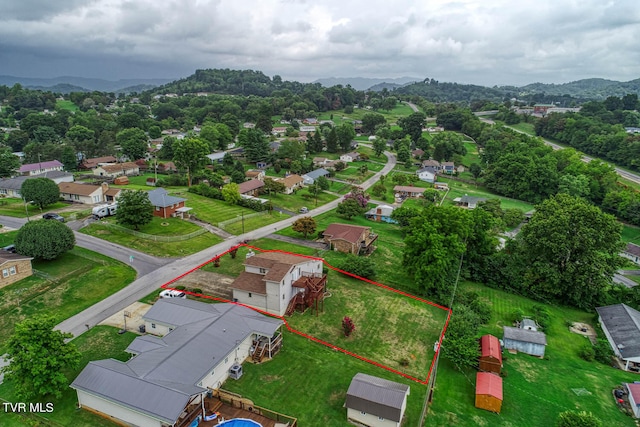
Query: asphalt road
pixel 147 283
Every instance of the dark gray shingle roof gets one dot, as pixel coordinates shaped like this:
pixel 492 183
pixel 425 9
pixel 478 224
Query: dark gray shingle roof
pixel 159 197
pixel 524 335
pixel 315 174
pixel 623 324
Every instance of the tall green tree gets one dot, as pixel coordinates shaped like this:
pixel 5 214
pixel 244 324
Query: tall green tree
pixel 190 154
pixel 305 225
pixel 9 163
pixel 256 146
pixel 345 133
pixel 379 145
pixel 39 358
pixel 41 191
pixel 45 240
pixel 332 141
pixel 133 142
pixel 349 208
pixel 231 193
pixel 572 251
pixel 412 125
pixel 434 245
pixel 134 209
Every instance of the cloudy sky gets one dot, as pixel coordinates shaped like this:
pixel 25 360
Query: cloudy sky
pixel 484 42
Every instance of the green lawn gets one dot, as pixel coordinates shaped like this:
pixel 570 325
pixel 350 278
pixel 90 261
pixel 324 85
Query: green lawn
pixel 63 287
pixel 528 128
pixel 64 104
pixel 548 382
pixel 18 209
pixel 459 189
pixel 101 342
pixel 630 234
pixel 157 227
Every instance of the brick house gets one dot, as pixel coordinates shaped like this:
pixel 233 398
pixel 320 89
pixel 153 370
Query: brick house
pixel 14 267
pixel 117 169
pixel 354 239
pixel 165 205
pixel 251 187
pixel 94 162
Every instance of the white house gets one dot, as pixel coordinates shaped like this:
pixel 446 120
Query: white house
pixel 40 167
pixel 376 402
pixel 633 390
pixel 350 157
pixel 81 193
pixel 310 177
pixel 166 380
pixel 631 252
pixel 117 169
pixel 268 282
pixel 427 174
pixel 11 187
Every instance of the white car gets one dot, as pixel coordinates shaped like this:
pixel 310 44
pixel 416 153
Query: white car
pixel 170 293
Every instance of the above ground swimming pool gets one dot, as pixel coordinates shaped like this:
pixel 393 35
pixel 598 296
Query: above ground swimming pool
pixel 240 422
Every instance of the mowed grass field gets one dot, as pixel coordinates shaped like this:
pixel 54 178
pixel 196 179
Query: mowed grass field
pixel 535 390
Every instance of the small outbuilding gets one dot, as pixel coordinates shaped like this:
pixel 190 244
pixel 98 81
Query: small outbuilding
pixel 524 341
pixel 376 402
pixel 489 391
pixel 633 390
pixel 490 354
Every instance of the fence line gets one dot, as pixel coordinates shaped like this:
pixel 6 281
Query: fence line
pixel 223 224
pixel 154 237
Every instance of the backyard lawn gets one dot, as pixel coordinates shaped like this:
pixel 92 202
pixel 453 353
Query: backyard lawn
pixel 18 208
pixel 63 287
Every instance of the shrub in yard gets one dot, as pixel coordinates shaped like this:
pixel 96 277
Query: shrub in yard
pixel 45 239
pixel 517 315
pixel 404 362
pixel 180 288
pixel 196 290
pixel 587 352
pixel 541 316
pixel 603 352
pixel 347 326
pixel 360 266
pixel 577 419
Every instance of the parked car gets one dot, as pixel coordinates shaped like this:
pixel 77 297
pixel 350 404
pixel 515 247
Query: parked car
pixel 51 215
pixel 304 210
pixel 170 293
pixel 10 248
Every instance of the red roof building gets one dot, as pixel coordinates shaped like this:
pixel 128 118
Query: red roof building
pixel 488 391
pixel 490 354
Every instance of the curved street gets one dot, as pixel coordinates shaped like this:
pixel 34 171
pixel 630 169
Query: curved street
pixel 161 274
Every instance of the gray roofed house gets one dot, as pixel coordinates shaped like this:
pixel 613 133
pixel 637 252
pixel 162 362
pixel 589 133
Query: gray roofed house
pixel 11 187
pixel 631 251
pixel 373 401
pixel 197 344
pixel 469 202
pixel 160 198
pixel 621 326
pixel 525 341
pixel 310 177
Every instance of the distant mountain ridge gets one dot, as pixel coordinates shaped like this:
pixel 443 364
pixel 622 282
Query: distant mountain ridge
pixel 594 88
pixel 364 83
pixel 66 84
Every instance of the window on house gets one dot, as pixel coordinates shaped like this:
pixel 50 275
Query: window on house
pixel 5 273
pixel 363 413
pixel 158 208
pixel 263 271
pixel 282 296
pixel 170 329
pixel 249 294
pixel 212 372
pixel 226 360
pixel 153 326
pixel 12 270
pixel 381 419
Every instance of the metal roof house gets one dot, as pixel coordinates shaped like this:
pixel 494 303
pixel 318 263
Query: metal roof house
pixel 165 382
pixel 621 326
pixel 310 177
pixel 525 341
pixel 376 402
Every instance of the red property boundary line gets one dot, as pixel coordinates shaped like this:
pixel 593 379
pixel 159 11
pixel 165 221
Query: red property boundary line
pixel 311 337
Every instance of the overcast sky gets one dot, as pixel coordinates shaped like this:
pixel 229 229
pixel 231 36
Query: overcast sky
pixel 484 42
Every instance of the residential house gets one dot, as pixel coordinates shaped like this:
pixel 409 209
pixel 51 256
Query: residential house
pixel 441 186
pixel 403 191
pixel 376 402
pixel 11 187
pixel 292 183
pixel 524 340
pixel 110 194
pixel 167 167
pixel 309 178
pixel 307 129
pixel 381 213
pixel 449 168
pixel 469 202
pixel 354 239
pixel 255 174
pixel 81 193
pixel 279 130
pixel 251 187
pixel 490 354
pixel 631 251
pixel 169 376
pixel 216 157
pixel 350 157
pixel 117 169
pixel 274 146
pixel 165 205
pixel 320 161
pixel 94 162
pixel 428 174
pixel 40 168
pixel 489 391
pixel 248 125
pixel 417 153
pixel 542 108
pixel 633 391
pixel 432 164
pixel 621 325
pixel 271 280
pixel 14 267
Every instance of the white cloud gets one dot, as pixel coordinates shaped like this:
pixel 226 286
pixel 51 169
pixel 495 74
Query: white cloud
pixel 484 42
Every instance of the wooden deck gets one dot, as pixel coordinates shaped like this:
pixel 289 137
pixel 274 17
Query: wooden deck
pixel 228 412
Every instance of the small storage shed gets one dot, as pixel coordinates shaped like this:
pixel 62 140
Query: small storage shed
pixel 489 391
pixel 376 402
pixel 490 354
pixel 525 341
pixel 634 398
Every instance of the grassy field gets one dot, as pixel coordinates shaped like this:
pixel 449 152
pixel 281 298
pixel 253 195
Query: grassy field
pixel 157 227
pixel 630 234
pixel 64 104
pixel 528 128
pixel 339 117
pixel 18 209
pixel 101 342
pixel 63 287
pixel 548 382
